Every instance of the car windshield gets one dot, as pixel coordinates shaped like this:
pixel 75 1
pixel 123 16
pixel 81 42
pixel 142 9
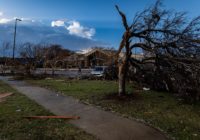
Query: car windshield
pixel 98 69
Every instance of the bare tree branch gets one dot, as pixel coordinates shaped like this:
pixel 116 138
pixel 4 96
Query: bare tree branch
pixel 123 18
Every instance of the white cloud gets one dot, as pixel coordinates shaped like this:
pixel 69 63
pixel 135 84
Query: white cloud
pixel 24 21
pixel 5 20
pixel 58 23
pixel 76 29
pixel 1 13
pixel 84 50
pixel 73 27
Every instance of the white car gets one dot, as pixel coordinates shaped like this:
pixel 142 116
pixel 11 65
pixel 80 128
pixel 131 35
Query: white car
pixel 98 71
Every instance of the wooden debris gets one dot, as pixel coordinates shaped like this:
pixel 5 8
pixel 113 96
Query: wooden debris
pixel 53 117
pixel 4 95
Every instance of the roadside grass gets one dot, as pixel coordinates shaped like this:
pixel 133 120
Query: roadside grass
pixel 14 127
pixel 161 110
pixel 81 89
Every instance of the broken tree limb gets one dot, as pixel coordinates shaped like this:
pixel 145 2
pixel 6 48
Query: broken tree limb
pixel 53 117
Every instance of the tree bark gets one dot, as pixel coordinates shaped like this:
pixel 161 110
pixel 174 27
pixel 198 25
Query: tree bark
pixel 122 79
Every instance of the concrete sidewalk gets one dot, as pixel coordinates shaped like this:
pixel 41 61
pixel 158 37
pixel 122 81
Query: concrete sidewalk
pixel 104 125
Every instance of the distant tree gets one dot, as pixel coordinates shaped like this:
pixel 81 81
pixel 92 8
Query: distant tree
pixel 166 36
pixel 6 46
pixel 32 54
pixel 54 54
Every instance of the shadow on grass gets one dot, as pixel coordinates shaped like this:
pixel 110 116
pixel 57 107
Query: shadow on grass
pixel 123 98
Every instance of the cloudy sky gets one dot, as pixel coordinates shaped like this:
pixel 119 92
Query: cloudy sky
pixel 75 24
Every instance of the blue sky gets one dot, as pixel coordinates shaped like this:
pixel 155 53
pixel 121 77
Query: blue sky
pixel 99 15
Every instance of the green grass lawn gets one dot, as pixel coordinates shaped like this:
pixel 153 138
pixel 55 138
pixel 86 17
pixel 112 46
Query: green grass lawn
pixel 161 110
pixel 14 127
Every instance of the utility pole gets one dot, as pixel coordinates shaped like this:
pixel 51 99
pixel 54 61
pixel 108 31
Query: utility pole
pixel 15 36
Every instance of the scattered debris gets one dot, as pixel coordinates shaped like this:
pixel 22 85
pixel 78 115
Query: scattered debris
pixel 195 135
pixel 53 117
pixel 146 89
pixel 18 110
pixel 48 78
pixel 4 95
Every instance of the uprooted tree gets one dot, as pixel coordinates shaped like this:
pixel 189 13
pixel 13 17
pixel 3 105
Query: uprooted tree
pixel 167 39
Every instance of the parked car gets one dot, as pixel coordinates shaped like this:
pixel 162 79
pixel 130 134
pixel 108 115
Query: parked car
pixel 98 71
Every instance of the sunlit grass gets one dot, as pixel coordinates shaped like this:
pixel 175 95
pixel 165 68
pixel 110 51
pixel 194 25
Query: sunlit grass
pixel 14 127
pixel 161 110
